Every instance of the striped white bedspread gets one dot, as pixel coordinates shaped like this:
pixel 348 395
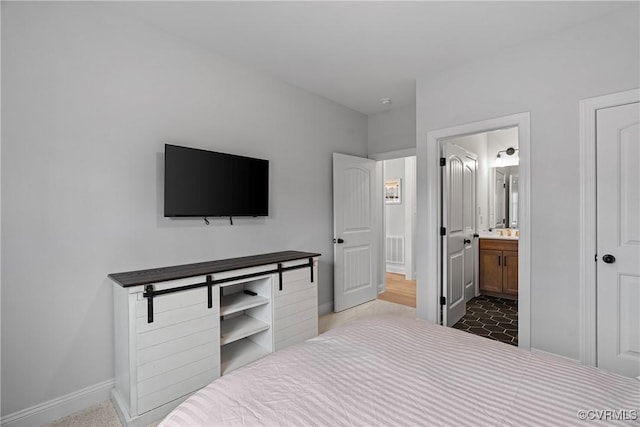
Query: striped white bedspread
pixel 391 371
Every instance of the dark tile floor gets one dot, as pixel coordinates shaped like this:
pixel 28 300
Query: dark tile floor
pixel 491 317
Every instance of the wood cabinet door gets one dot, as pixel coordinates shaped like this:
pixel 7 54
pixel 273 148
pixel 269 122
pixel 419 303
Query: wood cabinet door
pixel 490 270
pixel 510 272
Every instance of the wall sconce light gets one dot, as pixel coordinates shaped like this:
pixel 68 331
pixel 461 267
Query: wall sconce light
pixel 509 152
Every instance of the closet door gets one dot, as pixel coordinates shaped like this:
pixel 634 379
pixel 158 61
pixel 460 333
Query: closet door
pixel 618 234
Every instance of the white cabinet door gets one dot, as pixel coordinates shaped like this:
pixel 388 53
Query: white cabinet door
pixel 618 239
pixel 178 352
pixel 295 307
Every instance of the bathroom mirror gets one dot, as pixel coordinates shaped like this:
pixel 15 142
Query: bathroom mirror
pixel 503 197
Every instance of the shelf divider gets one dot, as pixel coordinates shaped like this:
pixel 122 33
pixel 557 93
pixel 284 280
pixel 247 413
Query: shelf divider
pixel 240 327
pixel 240 301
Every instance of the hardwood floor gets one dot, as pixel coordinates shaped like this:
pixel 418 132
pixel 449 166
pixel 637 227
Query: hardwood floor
pixel 399 290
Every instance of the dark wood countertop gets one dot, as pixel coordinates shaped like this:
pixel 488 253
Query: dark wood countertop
pixel 154 275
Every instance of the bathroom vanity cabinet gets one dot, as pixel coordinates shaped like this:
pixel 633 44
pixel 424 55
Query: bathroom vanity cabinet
pixel 499 267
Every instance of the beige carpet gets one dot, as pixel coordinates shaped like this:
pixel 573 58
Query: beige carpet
pixel 101 415
pixel 104 415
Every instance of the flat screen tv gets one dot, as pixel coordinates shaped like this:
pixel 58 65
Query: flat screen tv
pixel 201 183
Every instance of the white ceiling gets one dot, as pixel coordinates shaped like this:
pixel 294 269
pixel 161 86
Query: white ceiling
pixel 355 53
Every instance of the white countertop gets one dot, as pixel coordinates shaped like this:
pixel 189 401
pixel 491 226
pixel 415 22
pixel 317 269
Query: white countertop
pixel 495 234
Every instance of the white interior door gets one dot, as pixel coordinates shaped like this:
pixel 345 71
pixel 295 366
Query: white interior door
pixel 458 219
pixel 618 239
pixel 354 231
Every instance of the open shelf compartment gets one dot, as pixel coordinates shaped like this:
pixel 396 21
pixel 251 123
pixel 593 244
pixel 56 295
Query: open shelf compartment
pixel 240 301
pixel 240 327
pixel 240 353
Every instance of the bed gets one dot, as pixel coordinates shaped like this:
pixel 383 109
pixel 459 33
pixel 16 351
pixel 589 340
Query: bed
pixel 395 371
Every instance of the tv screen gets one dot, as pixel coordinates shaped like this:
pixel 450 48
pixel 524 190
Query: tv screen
pixel 205 183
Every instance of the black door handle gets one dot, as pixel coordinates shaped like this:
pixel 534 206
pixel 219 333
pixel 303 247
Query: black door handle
pixel 339 241
pixel 467 241
pixel 609 259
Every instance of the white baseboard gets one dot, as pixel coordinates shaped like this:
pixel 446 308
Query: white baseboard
pixel 381 288
pixel 60 407
pixel 148 417
pixel 398 269
pixel 325 308
pixel 535 350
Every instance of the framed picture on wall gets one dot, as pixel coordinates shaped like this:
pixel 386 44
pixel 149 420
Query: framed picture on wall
pixel 393 191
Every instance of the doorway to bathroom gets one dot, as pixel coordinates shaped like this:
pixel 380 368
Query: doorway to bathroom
pixel 480 174
pixel 432 301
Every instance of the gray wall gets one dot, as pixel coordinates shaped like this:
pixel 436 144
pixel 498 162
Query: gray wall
pixel 88 100
pixel 547 78
pixel 394 214
pixel 400 218
pixel 392 130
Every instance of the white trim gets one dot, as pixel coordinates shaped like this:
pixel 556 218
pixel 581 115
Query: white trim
pixel 560 356
pixel 588 243
pixel 380 227
pixel 325 308
pixel 0 228
pixel 390 155
pixel 409 216
pixel 428 247
pixel 381 208
pixel 149 417
pixel 60 407
pixel 395 268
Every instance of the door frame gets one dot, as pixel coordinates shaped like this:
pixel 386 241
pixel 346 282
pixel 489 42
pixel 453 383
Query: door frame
pixel 382 260
pixel 588 242
pixel 429 198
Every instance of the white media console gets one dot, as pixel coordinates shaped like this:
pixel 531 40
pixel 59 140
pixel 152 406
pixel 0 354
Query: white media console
pixel 179 328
